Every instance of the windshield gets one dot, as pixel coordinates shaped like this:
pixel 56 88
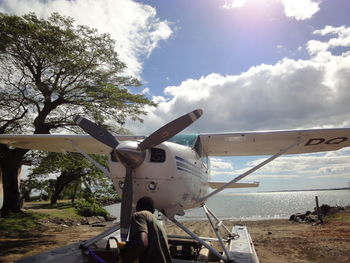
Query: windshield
pixel 184 139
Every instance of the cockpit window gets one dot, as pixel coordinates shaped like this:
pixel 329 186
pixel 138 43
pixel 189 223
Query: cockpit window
pixel 185 139
pixel 157 155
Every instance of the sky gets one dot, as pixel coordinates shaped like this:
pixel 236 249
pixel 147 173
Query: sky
pixel 251 65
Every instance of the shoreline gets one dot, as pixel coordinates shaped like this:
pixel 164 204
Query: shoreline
pixel 248 219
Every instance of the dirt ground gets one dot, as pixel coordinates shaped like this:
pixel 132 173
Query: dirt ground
pixel 282 241
pixel 49 237
pixel 275 240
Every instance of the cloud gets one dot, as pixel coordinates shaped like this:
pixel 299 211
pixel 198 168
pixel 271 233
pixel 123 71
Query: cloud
pixel 145 91
pixel 307 166
pixel 218 165
pixel 293 93
pixel 297 9
pixel 310 164
pixel 258 177
pixel 135 26
pixel 300 9
pixel 341 39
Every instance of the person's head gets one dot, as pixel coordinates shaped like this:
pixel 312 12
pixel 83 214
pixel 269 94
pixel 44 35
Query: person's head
pixel 145 203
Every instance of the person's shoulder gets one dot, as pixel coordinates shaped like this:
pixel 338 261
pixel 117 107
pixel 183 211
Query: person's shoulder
pixel 144 214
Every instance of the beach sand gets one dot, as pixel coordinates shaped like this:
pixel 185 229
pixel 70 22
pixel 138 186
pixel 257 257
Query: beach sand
pixel 275 240
pixel 282 241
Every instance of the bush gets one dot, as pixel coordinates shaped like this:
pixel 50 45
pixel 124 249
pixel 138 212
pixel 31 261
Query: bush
pixel 85 208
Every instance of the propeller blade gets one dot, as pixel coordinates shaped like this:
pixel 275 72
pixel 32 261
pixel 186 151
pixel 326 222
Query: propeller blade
pixel 126 207
pixel 96 131
pixel 170 129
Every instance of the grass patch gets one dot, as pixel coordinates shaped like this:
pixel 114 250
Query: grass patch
pixel 340 216
pixel 20 223
pixel 62 209
pixel 62 204
pixel 65 213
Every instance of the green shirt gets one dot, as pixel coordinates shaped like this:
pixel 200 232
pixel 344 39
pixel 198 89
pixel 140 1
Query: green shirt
pixel 157 250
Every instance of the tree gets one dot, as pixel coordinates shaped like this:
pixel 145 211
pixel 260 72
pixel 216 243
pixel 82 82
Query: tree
pixel 12 111
pixel 30 184
pixel 51 70
pixel 71 168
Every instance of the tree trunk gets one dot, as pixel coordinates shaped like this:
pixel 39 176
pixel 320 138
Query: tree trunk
pixel 10 167
pixel 26 194
pixel 56 194
pixel 75 191
pixel 64 179
pixel 1 190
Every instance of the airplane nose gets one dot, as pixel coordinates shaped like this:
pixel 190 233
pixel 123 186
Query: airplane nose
pixel 129 154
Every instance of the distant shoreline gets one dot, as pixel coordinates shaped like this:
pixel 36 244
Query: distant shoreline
pixel 306 190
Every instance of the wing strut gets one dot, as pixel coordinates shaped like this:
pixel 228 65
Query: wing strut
pixel 281 152
pixel 99 166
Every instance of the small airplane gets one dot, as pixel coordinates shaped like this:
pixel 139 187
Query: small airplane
pixel 174 169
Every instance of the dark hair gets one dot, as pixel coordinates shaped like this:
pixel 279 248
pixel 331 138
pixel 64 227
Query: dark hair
pixel 145 203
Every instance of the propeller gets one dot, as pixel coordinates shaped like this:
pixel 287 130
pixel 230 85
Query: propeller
pixel 132 154
pixel 170 129
pixel 126 206
pixel 96 131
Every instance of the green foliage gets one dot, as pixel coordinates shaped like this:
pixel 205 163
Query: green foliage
pixel 32 183
pixel 78 177
pixel 86 208
pixel 58 69
pixel 49 163
pixel 54 70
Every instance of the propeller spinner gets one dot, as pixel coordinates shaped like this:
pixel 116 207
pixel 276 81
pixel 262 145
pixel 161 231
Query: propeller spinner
pixel 132 154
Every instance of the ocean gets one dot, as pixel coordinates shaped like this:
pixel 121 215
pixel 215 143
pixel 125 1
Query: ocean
pixel 259 206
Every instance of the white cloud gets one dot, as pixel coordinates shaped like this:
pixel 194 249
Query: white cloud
pixel 290 94
pixel 220 165
pixel 341 39
pixel 297 9
pixel 308 166
pixel 145 91
pixel 259 176
pixel 133 25
pixel 300 9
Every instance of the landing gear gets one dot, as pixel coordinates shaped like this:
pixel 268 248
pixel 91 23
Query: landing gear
pixel 216 225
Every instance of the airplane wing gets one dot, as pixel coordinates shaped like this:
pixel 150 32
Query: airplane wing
pixel 216 185
pixel 269 143
pixel 61 143
pixel 214 144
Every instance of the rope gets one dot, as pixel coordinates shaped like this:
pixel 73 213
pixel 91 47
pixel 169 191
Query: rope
pixel 95 256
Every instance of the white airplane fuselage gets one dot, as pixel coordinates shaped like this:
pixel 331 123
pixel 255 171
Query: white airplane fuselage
pixel 171 174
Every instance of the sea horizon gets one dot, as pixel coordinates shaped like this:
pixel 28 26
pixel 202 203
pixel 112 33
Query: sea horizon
pixel 261 205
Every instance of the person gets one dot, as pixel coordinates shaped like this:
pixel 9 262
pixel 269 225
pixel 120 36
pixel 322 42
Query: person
pixel 148 241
